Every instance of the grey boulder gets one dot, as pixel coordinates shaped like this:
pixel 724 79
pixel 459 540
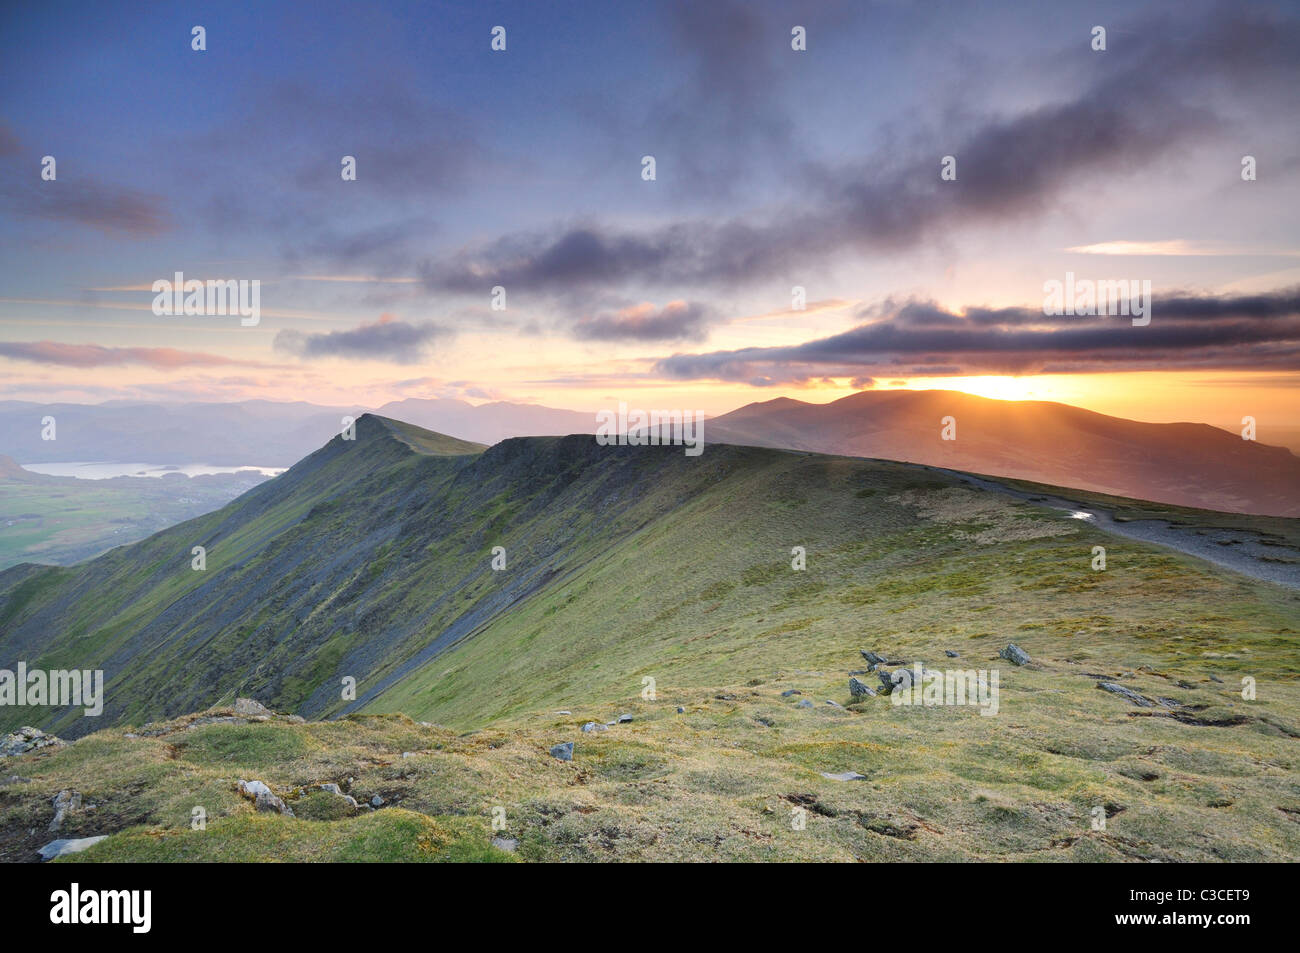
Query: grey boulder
pixel 263 798
pixel 251 789
pixel 1014 654
pixel 860 690
pixel 251 709
pixel 65 803
pixel 272 804
pixel 563 751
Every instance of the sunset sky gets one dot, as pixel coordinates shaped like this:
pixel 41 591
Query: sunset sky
pixel 774 168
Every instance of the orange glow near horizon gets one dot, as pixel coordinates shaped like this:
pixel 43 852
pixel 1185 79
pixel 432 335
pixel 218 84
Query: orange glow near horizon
pixel 1217 398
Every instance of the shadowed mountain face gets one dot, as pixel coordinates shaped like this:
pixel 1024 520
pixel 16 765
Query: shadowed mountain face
pixel 1184 464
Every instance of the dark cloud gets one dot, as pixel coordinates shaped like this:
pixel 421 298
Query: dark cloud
pixel 675 321
pixel 1145 100
pixel 387 339
pixel 86 201
pixel 73 196
pixel 723 117
pixel 96 355
pixel 1255 332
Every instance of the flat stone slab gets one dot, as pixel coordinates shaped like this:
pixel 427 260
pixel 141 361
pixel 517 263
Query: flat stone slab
pixel 61 848
pixel 1127 694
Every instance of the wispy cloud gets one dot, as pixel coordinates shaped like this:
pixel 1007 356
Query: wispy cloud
pixel 96 355
pixel 388 339
pixel 72 197
pixel 356 279
pixel 1179 247
pixel 675 321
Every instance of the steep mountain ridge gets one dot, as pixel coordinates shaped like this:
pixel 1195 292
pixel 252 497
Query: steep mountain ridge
pixel 372 559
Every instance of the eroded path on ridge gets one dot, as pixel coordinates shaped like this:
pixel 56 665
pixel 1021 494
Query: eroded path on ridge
pixel 1241 550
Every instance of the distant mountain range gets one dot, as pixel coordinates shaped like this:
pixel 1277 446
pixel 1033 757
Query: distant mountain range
pixel 247 433
pixel 1185 464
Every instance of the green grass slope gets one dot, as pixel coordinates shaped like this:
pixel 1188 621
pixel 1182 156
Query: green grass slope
pixel 289 567
pixel 631 564
pixel 62 520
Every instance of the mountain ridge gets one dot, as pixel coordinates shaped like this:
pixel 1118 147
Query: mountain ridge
pixel 371 558
pixel 1185 464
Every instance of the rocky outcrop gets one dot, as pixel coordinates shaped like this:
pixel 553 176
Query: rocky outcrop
pixel 263 798
pixel 247 708
pixel 65 803
pixel 27 739
pixel 1129 695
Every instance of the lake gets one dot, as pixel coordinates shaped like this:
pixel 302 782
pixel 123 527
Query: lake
pixel 106 471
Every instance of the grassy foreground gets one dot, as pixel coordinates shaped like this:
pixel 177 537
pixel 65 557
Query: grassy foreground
pixel 720 781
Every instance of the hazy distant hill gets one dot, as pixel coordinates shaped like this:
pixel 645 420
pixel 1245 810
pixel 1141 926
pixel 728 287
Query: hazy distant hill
pixel 246 433
pixel 1185 464
pixel 489 423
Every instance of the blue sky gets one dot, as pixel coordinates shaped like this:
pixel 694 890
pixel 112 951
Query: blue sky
pixel 774 168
